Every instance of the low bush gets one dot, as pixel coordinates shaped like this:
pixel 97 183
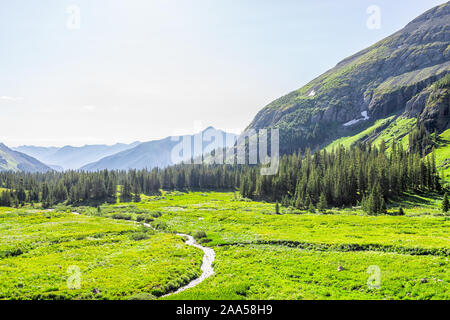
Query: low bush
pixel 159 225
pixel 143 296
pixel 121 216
pixel 200 234
pixel 137 236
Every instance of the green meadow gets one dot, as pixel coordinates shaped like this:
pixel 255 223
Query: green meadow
pixel 259 254
pixel 280 272
pixel 50 255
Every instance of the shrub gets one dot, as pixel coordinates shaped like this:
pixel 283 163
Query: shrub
pixel 156 214
pixel 144 218
pixel 143 296
pixel 160 225
pixel 157 292
pixel 121 216
pixel 137 236
pixel 200 234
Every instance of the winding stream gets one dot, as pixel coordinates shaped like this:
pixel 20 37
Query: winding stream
pixel 208 258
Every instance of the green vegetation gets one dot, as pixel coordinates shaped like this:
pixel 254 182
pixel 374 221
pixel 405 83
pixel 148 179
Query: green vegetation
pixel 42 252
pixel 278 272
pixel 443 155
pixel 344 177
pixel 331 218
pixel 398 132
pixel 445 204
pixel 15 161
pixel 7 161
pixel 389 130
pixel 259 254
pixel 227 220
pixel 366 217
pixel 351 140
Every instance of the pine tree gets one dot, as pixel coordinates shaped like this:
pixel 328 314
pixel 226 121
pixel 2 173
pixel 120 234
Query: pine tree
pixel 365 204
pixel 125 194
pixel 445 204
pixel 298 202
pixel 322 205
pixel 5 199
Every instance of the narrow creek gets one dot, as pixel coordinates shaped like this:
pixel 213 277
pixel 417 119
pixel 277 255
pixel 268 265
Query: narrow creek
pixel 208 258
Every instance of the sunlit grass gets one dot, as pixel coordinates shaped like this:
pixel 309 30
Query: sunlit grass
pixel 260 254
pixel 39 247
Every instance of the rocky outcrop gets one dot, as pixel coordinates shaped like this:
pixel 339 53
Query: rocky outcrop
pixel 433 105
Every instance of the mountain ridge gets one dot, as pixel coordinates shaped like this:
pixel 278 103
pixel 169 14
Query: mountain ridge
pixel 155 153
pixel 11 160
pixel 379 80
pixel 69 157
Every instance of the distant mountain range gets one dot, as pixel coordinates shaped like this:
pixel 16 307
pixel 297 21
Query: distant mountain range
pixel 159 153
pixel 69 157
pixel 11 160
pixel 378 94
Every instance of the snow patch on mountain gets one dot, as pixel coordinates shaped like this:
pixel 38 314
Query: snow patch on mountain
pixel 354 121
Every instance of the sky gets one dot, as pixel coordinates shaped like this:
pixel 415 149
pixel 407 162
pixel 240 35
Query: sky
pixel 105 71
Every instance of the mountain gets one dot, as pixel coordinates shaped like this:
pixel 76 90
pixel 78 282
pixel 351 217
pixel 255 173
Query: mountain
pixel 402 78
pixel 69 157
pixel 11 160
pixel 159 153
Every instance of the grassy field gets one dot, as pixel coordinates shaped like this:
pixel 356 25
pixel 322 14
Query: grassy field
pixel 41 251
pixel 394 129
pixel 259 254
pixel 352 139
pixel 278 272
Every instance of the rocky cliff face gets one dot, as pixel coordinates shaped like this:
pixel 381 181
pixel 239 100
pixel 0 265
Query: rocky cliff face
pixel 433 105
pixel 396 75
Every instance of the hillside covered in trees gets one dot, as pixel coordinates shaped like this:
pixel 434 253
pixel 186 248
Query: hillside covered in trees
pixel 361 175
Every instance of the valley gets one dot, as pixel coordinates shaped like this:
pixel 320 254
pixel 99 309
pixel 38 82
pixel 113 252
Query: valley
pixel 259 254
pixel 356 208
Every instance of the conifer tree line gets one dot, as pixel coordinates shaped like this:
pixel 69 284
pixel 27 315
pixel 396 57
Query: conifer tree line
pixel 421 141
pixel 75 187
pixel 361 175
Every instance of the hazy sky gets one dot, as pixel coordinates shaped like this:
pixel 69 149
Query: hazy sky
pixel 146 69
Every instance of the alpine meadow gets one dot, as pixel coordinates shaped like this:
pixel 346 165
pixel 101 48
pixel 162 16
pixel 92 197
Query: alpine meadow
pixel 338 190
